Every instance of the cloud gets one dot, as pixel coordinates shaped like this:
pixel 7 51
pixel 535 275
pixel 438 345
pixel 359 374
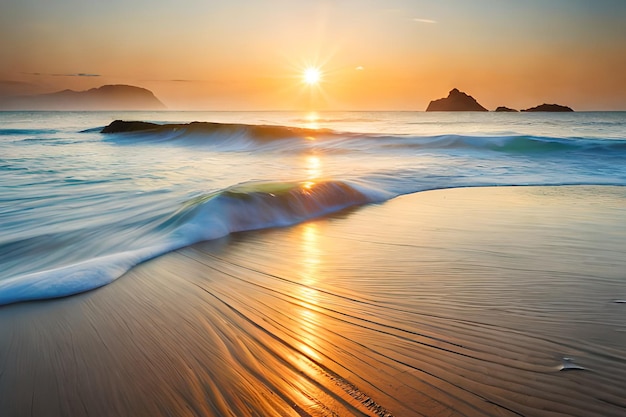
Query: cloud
pixel 173 80
pixel 430 21
pixel 11 82
pixel 78 74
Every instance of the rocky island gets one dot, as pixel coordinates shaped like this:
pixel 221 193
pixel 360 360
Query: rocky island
pixel 107 97
pixel 456 101
pixel 506 109
pixel 549 108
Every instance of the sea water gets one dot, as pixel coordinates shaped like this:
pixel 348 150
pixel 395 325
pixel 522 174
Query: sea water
pixel 79 207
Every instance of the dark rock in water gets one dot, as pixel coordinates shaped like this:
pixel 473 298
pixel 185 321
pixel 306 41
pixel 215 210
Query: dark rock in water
pixel 505 109
pixel 107 97
pixel 550 108
pixel 261 132
pixel 121 126
pixel 456 101
pixel 125 126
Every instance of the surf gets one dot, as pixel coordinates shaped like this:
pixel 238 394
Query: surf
pixel 212 135
pixel 242 207
pixel 246 137
pixel 80 207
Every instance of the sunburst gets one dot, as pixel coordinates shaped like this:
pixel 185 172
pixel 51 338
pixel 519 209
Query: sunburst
pixel 312 75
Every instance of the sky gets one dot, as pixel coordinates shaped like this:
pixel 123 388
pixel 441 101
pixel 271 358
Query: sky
pixel 373 54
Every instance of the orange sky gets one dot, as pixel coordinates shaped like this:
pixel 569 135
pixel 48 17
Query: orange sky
pixel 375 55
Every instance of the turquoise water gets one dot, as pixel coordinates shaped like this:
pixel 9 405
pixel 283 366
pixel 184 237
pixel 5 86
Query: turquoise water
pixel 78 208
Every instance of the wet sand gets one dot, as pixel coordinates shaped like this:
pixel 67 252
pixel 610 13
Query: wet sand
pixel 493 302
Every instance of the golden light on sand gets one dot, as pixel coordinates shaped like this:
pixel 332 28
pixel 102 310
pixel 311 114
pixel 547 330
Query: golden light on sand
pixel 309 319
pixel 310 261
pixel 312 75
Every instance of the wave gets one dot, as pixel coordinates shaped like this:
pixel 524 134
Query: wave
pixel 12 132
pixel 259 205
pixel 248 206
pixel 228 136
pixel 92 130
pixel 512 144
pixel 336 120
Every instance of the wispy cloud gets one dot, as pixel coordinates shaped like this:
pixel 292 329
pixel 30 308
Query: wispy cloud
pixel 419 20
pixel 11 82
pixel 81 74
pixel 173 80
pixel 77 74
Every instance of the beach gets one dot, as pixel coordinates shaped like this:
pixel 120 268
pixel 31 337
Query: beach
pixel 495 301
pixel 313 209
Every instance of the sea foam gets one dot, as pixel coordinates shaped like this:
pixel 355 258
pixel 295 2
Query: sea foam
pixel 243 207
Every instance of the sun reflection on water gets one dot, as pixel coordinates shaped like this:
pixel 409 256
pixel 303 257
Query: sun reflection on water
pixel 312 120
pixel 313 166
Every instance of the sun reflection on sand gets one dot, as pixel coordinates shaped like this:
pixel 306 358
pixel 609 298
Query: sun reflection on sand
pixel 310 253
pixel 307 315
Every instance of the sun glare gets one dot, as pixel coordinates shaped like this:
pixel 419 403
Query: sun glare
pixel 312 76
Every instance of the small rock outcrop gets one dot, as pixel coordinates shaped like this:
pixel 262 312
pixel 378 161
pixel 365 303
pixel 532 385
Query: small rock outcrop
pixel 550 108
pixel 506 109
pixel 456 101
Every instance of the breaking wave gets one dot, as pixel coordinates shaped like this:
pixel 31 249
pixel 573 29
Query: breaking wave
pixel 248 206
pixel 508 144
pixel 225 136
pixel 234 137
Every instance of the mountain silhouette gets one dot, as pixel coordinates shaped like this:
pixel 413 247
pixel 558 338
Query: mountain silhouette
pixel 107 97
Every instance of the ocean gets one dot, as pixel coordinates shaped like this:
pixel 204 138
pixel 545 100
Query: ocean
pixel 313 264
pixel 78 208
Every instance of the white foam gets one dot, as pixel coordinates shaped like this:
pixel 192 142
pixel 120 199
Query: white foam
pixel 73 279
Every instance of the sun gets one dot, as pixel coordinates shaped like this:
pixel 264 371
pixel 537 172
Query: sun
pixel 312 75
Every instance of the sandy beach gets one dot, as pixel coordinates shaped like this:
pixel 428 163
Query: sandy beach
pixel 486 301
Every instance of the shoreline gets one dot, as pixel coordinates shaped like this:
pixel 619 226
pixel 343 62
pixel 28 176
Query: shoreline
pixel 461 301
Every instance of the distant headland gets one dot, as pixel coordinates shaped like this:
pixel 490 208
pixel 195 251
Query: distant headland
pixel 128 97
pixel 459 101
pixel 107 97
